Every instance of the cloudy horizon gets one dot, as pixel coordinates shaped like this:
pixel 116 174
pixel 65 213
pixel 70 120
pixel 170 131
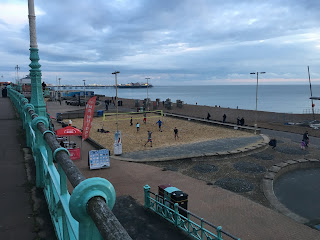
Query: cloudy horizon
pixel 182 42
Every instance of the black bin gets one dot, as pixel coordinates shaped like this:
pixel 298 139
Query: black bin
pixel 182 199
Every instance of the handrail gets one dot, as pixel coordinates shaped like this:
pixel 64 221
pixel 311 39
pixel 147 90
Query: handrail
pixel 89 195
pixel 181 217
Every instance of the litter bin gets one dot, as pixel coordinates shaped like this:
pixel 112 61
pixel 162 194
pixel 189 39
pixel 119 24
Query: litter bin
pixel 100 113
pixel 182 199
pixel 170 195
pixel 161 189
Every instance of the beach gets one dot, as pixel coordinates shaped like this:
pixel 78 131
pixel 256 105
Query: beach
pixel 268 120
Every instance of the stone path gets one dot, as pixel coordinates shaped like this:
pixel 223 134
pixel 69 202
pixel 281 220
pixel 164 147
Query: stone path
pixel 16 218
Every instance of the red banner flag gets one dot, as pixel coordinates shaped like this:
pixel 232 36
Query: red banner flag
pixel 88 116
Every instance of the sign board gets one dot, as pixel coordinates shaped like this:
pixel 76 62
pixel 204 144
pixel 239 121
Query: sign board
pixel 117 146
pixel 74 153
pixel 99 159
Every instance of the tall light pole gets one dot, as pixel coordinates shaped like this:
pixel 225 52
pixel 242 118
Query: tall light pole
pixel 255 124
pixel 17 68
pixel 37 99
pixel 84 87
pixel 116 100
pixel 148 93
pixel 59 89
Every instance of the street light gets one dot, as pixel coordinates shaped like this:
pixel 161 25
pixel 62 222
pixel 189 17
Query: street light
pixel 115 74
pixel 148 93
pixel 59 90
pixel 84 87
pixel 255 124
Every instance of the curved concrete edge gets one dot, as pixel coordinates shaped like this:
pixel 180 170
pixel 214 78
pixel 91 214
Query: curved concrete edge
pixel 260 145
pixel 276 171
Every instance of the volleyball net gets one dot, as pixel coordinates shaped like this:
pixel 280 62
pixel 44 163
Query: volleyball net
pixel 133 115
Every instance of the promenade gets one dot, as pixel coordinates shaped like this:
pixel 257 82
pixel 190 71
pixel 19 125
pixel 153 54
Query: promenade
pixel 16 218
pixel 238 215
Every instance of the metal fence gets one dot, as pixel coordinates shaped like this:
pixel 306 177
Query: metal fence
pixel 85 214
pixel 196 227
pixel 309 111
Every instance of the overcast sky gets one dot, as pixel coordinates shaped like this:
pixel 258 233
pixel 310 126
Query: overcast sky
pixel 174 42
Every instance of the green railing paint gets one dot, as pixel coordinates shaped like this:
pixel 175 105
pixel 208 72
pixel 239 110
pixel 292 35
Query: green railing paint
pixel 196 228
pixel 68 212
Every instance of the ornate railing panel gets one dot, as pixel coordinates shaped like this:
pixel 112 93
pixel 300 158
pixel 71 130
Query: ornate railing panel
pixel 193 225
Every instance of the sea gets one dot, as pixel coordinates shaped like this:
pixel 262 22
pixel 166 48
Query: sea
pixel 270 98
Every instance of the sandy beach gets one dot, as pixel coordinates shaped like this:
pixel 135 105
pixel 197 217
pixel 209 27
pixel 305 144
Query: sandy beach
pixel 268 120
pixel 133 140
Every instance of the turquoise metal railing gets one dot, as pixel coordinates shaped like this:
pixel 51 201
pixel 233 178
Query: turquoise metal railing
pixel 193 225
pixel 82 215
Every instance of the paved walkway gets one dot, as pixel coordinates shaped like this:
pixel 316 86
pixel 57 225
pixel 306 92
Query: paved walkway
pixel 16 216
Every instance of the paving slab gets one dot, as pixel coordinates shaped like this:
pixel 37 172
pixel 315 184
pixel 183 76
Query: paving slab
pixel 16 218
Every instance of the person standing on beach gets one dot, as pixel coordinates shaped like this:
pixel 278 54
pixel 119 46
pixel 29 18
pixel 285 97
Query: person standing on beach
pixel 131 121
pixel 238 121
pixel 175 130
pixel 208 116
pixel 138 126
pixel 145 118
pixel 149 138
pixel 242 121
pixel 224 118
pixel 159 123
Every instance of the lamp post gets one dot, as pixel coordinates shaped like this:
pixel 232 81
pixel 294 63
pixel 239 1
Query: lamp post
pixel 115 74
pixel 255 124
pixel 84 87
pixel 148 93
pixel 17 68
pixel 35 73
pixel 59 89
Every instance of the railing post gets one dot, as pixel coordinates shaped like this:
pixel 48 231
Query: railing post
pixel 146 196
pixel 202 228
pixel 188 215
pixel 39 143
pixel 80 196
pixel 26 124
pixel 219 235
pixel 176 214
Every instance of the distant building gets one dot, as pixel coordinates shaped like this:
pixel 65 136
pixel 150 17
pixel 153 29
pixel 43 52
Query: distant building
pixel 4 84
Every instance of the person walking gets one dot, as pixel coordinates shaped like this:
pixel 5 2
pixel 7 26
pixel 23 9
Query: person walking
pixel 208 116
pixel 305 138
pixel 175 130
pixel 224 118
pixel 159 123
pixel 149 139
pixel 138 126
pixel 131 121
